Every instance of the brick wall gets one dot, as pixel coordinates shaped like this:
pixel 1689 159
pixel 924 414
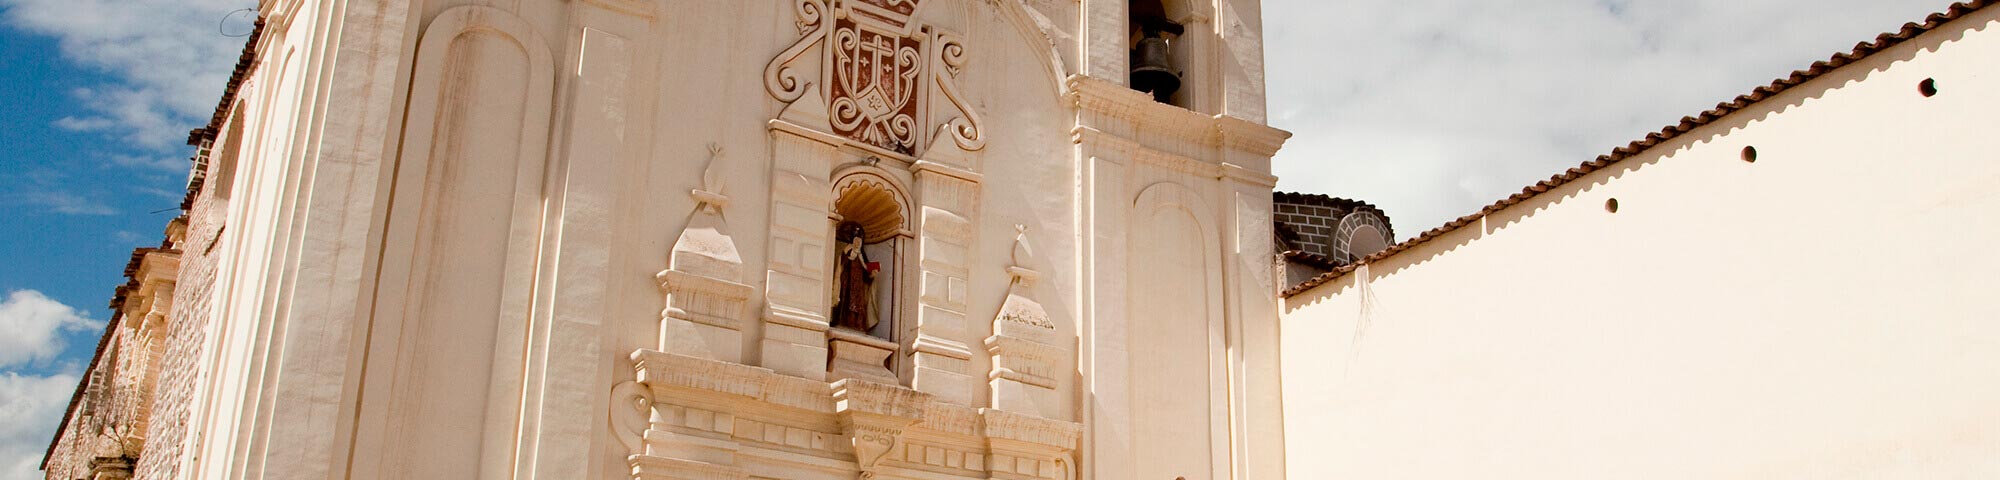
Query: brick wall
pixel 1313 224
pixel 167 436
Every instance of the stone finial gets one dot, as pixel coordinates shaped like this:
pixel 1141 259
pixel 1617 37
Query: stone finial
pixel 1024 255
pixel 706 299
pixel 710 194
pixel 1025 358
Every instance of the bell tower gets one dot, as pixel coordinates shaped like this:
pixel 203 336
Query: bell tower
pixel 1213 49
pixel 1155 68
pixel 1180 332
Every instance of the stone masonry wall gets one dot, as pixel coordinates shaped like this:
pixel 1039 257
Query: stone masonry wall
pixel 167 436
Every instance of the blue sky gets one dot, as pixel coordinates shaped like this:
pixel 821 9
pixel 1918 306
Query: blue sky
pixel 96 98
pixel 1427 108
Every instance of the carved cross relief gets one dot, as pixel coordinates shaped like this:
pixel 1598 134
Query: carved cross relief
pixel 880 74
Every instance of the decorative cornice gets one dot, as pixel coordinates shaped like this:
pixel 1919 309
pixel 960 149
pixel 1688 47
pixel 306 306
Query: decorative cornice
pixel 1250 137
pixel 1238 173
pixel 1031 430
pixel 651 467
pixel 666 373
pixel 927 166
pixel 1104 103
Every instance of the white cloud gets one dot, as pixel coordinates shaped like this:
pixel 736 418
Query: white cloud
pixel 30 407
pixel 161 163
pixel 167 60
pixel 1432 109
pixel 34 327
pixel 63 202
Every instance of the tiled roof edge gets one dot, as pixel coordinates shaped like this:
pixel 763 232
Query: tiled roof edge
pixel 1310 258
pixel 245 63
pixel 1862 50
pixel 103 341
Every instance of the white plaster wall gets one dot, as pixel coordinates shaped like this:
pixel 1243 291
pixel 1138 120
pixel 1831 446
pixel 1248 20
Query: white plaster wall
pixel 1824 312
pixel 439 267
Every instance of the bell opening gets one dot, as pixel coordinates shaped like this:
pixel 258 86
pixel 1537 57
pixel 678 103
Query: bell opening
pixel 1153 68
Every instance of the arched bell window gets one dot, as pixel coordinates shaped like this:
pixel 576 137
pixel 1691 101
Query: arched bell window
pixel 1158 60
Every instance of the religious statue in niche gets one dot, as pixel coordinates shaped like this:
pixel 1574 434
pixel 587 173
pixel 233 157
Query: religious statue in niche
pixel 854 305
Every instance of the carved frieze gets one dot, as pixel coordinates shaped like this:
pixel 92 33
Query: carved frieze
pixel 700 418
pixel 874 415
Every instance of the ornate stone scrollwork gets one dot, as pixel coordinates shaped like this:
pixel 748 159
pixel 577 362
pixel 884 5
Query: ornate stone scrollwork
pixel 966 130
pixel 874 416
pixel 779 79
pixel 631 413
pixel 878 68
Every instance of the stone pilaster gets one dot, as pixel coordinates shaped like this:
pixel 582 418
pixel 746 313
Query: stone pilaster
pixel 949 196
pixel 795 322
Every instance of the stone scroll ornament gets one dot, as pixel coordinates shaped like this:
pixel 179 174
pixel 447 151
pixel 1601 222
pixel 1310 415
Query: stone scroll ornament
pixel 880 74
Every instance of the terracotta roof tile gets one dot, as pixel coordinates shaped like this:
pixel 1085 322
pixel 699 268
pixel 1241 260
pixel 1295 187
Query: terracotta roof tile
pixel 246 63
pixel 1310 258
pixel 1687 124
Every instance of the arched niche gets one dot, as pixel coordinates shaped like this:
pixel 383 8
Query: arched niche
pixel 870 199
pixel 1174 335
pixel 455 293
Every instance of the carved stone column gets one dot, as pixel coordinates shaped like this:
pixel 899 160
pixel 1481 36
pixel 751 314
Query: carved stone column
pixel 705 294
pixel 943 362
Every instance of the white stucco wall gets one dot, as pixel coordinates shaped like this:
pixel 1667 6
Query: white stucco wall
pixel 441 253
pixel 1824 312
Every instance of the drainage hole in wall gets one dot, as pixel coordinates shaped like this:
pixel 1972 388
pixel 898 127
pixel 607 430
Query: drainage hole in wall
pixel 1611 205
pixel 1928 87
pixel 1750 154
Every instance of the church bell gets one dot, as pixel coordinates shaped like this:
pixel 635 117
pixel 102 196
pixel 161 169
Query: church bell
pixel 1152 60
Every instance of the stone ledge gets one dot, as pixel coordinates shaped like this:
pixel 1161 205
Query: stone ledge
pixel 1111 100
pixel 881 427
pixel 1030 429
pixel 666 372
pixel 650 467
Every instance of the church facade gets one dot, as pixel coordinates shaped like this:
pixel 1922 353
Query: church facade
pixel 1015 239
pixel 716 239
